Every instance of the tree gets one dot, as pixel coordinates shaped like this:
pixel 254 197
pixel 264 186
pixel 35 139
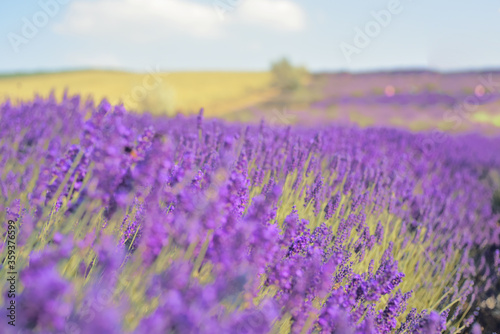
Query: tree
pixel 287 77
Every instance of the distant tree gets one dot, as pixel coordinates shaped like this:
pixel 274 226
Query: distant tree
pixel 286 76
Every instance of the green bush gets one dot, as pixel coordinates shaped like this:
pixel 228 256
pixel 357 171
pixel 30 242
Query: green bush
pixel 287 77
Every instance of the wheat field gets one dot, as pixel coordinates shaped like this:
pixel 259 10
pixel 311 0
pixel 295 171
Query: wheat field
pixel 217 92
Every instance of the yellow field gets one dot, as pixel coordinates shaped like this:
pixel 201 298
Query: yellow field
pixel 484 117
pixel 218 92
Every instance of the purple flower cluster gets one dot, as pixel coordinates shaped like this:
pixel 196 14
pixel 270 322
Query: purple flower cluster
pixel 142 224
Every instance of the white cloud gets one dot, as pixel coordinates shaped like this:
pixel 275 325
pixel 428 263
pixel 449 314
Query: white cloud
pixel 282 15
pixel 149 20
pixel 139 19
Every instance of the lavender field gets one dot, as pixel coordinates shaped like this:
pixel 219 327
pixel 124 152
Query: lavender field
pixel 117 222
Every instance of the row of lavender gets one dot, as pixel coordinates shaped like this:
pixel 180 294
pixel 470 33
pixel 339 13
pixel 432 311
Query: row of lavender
pixel 129 223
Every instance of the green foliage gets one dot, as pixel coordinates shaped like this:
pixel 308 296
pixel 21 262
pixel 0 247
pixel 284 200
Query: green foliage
pixel 287 77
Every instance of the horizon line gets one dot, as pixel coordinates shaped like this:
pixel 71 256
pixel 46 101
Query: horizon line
pixel 401 70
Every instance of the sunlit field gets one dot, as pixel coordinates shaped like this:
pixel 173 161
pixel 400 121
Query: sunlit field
pixel 226 203
pixel 187 92
pixel 251 97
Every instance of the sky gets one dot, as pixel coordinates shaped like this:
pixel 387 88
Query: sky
pixel 179 35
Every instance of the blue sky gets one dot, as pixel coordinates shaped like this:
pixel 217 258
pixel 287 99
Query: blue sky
pixel 176 35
